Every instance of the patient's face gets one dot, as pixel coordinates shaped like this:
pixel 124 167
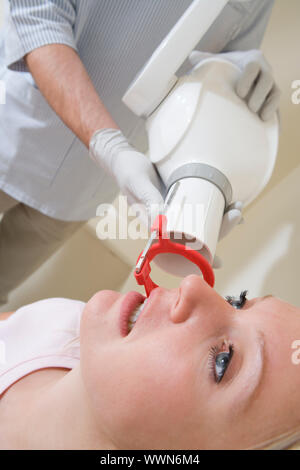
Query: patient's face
pixel 194 372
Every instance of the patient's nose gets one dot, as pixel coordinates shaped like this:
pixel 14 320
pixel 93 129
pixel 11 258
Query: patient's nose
pixel 195 295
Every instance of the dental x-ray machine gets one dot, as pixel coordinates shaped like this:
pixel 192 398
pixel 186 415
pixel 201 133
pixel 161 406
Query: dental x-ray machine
pixel 207 146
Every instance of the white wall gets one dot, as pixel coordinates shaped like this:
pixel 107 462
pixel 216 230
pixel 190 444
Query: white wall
pixel 78 270
pixel 281 48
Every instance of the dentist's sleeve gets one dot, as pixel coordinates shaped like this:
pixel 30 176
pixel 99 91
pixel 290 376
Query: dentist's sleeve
pixel 34 23
pixel 251 31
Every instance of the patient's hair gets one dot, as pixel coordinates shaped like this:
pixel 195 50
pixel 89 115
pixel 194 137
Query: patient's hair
pixel 289 440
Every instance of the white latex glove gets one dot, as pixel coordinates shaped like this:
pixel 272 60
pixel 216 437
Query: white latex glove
pixel 256 84
pixel 132 170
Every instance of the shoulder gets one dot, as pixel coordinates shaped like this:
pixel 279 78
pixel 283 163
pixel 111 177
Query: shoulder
pixel 54 304
pixel 57 309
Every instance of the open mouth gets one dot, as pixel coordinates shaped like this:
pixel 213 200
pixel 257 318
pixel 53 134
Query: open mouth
pixel 131 309
pixel 135 315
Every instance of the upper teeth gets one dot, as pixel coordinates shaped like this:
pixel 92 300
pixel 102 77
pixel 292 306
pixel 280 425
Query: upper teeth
pixel 135 315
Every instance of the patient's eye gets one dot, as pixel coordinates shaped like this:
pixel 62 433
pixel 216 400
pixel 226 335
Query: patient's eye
pixel 219 360
pixel 237 302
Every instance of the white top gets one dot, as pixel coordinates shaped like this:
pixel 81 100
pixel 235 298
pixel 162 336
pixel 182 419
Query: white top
pixel 39 336
pixel 42 163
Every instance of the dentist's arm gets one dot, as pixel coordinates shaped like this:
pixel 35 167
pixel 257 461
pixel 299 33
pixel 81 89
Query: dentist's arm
pixel 64 82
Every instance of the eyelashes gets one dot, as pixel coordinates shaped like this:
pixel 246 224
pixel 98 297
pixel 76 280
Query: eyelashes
pixel 219 360
pixel 237 303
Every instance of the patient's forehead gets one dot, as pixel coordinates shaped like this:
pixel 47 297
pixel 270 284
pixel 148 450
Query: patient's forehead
pixel 283 306
pixel 278 314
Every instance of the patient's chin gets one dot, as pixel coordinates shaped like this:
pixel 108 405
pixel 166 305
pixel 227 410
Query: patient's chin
pixel 102 301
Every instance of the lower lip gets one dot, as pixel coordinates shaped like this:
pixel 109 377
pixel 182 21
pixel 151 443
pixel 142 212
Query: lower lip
pixel 130 302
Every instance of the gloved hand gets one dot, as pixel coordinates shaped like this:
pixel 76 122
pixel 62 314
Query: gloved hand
pixel 256 84
pixel 132 170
